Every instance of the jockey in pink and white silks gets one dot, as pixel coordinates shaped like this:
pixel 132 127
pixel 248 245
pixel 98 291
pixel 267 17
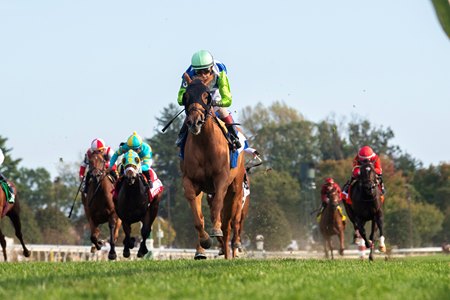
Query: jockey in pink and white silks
pixel 11 198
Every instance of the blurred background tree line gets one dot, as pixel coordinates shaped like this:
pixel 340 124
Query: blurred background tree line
pixel 298 155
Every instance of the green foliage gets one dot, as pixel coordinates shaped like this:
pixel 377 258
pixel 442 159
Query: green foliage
pixel 55 227
pixel 274 209
pixel 410 278
pixel 442 8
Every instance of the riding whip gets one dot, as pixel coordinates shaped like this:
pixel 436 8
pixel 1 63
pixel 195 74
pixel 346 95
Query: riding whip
pixel 170 122
pixel 73 204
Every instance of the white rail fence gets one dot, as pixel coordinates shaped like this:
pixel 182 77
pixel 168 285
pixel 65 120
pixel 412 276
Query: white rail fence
pixel 63 253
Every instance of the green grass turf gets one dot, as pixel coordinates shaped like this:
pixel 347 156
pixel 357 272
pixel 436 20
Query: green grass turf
pixel 406 278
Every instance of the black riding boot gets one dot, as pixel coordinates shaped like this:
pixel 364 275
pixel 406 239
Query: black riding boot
pixel 234 136
pixel 182 135
pixel 86 182
pixel 149 180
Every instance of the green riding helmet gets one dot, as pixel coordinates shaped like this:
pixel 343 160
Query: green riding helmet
pixel 202 60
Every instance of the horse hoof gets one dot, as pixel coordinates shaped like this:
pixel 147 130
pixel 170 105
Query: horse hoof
pixel 26 253
pixel 221 252
pixel 341 252
pixel 206 243
pixel 93 249
pixel 199 256
pixel 126 253
pixel 112 256
pixel 237 245
pixel 142 252
pixel 216 233
pixel 382 249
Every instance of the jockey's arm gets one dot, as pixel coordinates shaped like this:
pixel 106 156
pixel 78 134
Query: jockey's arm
pixel 224 90
pixel 181 93
pixel 377 166
pixel 83 166
pixel 116 154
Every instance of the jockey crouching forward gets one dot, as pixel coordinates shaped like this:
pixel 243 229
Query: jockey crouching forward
pixel 12 196
pixel 145 153
pixel 97 146
pixel 213 74
pixel 365 154
pixel 329 185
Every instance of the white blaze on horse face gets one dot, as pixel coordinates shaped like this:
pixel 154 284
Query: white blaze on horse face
pixel 130 171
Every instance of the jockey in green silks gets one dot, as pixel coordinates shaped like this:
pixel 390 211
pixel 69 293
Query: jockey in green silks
pixel 213 74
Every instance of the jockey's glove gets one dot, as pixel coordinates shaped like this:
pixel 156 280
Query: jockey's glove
pixel 217 103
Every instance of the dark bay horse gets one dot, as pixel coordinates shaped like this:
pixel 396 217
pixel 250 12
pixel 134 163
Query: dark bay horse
pixel 133 204
pixel 366 205
pixel 331 222
pixel 98 204
pixel 13 212
pixel 206 168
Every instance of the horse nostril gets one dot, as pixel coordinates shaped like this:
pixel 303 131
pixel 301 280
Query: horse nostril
pixel 189 123
pixel 199 123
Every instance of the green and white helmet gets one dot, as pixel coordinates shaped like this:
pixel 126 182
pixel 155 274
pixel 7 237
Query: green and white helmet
pixel 202 60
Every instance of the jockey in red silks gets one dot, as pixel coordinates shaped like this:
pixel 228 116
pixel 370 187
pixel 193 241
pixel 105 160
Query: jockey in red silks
pixel 97 146
pixel 324 197
pixel 365 154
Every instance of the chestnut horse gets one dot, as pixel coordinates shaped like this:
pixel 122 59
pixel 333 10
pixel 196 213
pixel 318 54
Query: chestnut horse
pixel 98 204
pixel 206 168
pixel 133 206
pixel 331 222
pixel 366 205
pixel 13 212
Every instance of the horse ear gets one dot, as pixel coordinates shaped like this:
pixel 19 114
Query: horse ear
pixel 209 99
pixel 123 161
pixel 184 99
pixel 136 159
pixel 187 78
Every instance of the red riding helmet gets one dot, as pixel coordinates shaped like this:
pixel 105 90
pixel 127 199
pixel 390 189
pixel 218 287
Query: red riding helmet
pixel 365 153
pixel 329 180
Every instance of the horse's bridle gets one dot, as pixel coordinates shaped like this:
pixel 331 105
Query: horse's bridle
pixel 98 173
pixel 206 111
pixel 369 185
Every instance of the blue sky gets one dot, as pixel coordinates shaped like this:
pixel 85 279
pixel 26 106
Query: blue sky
pixel 71 71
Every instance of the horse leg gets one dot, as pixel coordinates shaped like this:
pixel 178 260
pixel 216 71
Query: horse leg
pixel 112 227
pixel 217 205
pixel 146 229
pixel 325 249
pixel 127 241
pixel 379 220
pixel 15 219
pixel 116 229
pixel 199 222
pixel 330 244
pixel 3 243
pixel 95 232
pixel 341 242
pixel 362 231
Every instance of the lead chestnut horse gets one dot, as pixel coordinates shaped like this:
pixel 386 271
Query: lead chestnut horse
pixel 133 204
pixel 98 204
pixel 206 168
pixel 366 205
pixel 331 222
pixel 13 213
